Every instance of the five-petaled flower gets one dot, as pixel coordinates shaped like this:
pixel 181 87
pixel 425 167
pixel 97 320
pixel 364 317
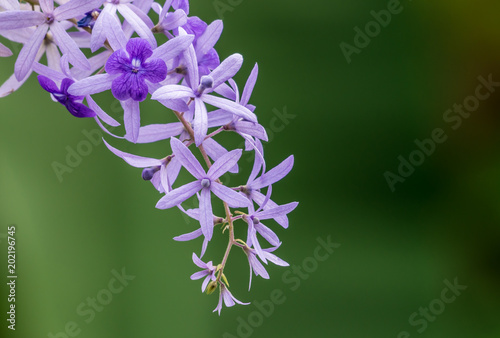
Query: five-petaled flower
pixel 135 67
pixel 208 272
pixel 206 182
pixel 228 298
pixel 62 96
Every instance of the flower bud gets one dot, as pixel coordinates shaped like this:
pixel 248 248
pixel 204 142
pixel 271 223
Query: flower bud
pixel 147 173
pixel 211 287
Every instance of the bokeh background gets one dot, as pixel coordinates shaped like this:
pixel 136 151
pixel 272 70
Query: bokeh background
pixel 350 123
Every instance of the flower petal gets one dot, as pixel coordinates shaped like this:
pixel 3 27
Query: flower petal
pixel 267 234
pixel 101 113
pixel 172 92
pixel 75 8
pixel 131 119
pixel 91 85
pixel 189 236
pixel 274 175
pixel 47 6
pixel 187 159
pixel 29 51
pixel 173 47
pixel 68 46
pixel 206 214
pixel 277 211
pixel 127 10
pixel 247 91
pixel 224 164
pixel 227 69
pixel 20 19
pixel 155 70
pixel 200 123
pixel 230 106
pixel 157 132
pixel 179 195
pixel 231 197
pixel 47 84
pixel 209 38
pixel 134 160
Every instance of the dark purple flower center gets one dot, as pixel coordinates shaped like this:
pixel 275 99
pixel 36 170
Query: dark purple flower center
pixel 255 220
pixel 205 183
pixel 49 19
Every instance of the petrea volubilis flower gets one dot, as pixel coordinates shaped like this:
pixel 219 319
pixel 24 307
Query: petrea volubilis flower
pixel 189 84
pixel 49 18
pixel 228 298
pixel 208 272
pixel 134 66
pixel 256 266
pixel 72 103
pixel 90 18
pixel 206 182
pixel 200 89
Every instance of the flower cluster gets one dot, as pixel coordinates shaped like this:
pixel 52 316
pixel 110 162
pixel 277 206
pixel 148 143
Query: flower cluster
pixel 186 77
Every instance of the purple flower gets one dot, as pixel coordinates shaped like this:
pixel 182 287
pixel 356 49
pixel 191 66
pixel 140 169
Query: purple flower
pixel 256 266
pixel 168 21
pixel 48 18
pixel 245 128
pixel 161 172
pixel 228 298
pixel 135 68
pixel 195 214
pixel 89 19
pixel 199 92
pixel 254 220
pixel 71 103
pixel 208 271
pixel 133 15
pixel 131 74
pixel 205 182
pixel 253 186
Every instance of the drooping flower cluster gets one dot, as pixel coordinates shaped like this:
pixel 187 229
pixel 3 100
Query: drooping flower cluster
pixel 185 76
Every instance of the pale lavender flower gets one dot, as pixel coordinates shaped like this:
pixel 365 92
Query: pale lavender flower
pixel 205 182
pixel 131 72
pixel 49 18
pixel 168 20
pixel 255 225
pixel 208 272
pixel 246 129
pixel 199 92
pixel 161 172
pixel 195 214
pixel 48 47
pixel 229 299
pixel 254 184
pixel 132 14
pixel 256 266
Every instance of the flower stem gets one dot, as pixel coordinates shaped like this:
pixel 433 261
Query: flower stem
pixel 229 219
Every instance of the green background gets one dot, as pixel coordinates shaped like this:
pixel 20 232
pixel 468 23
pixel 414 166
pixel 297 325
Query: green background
pixel 350 124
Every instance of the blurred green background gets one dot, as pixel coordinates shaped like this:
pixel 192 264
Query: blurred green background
pixel 350 123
